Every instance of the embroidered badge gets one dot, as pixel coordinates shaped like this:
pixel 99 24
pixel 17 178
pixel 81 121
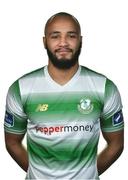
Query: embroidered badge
pixel 85 106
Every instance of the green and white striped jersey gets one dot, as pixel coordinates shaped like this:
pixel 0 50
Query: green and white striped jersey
pixel 63 122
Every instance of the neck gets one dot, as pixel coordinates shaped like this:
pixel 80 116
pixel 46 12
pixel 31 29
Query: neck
pixel 62 76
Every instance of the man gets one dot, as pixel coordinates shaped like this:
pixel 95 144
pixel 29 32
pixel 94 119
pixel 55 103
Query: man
pixel 62 107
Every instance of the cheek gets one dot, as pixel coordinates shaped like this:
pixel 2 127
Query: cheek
pixel 79 44
pixel 51 45
pixel 75 44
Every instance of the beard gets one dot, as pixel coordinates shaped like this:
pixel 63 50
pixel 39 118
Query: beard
pixel 64 63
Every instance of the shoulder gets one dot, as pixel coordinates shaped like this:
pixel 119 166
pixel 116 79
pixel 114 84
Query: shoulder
pixel 89 72
pixel 97 76
pixel 30 77
pixel 97 79
pixel 27 80
pixel 33 74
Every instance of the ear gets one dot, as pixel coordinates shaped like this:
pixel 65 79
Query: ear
pixel 81 38
pixel 44 42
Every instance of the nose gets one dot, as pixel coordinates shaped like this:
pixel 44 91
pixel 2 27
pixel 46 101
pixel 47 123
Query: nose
pixel 63 41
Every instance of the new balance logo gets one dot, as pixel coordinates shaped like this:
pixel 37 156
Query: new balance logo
pixel 42 107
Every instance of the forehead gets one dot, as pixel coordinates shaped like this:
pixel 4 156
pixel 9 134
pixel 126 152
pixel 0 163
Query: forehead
pixel 62 24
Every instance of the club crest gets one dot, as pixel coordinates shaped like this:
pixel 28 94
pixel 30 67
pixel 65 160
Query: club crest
pixel 85 106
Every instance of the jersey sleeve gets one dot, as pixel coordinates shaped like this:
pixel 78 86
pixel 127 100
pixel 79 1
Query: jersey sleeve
pixel 15 118
pixel 112 116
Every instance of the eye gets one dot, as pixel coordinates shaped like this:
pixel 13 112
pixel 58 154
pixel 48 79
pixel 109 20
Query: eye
pixel 54 36
pixel 72 35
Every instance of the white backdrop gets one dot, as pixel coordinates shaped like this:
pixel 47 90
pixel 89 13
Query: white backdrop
pixel 105 49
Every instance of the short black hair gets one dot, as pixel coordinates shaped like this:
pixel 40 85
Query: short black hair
pixel 64 14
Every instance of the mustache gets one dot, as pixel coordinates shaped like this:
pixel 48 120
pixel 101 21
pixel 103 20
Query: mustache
pixel 63 49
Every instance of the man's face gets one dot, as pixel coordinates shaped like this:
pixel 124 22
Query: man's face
pixel 63 42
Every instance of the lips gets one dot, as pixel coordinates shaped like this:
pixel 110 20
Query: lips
pixel 63 50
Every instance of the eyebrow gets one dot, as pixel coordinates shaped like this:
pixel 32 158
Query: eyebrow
pixel 69 32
